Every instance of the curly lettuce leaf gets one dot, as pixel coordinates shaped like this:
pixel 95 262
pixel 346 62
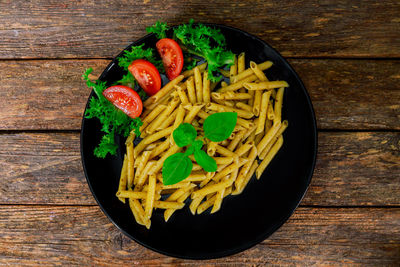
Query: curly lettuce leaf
pixel 113 120
pixel 159 29
pixel 205 42
pixel 139 52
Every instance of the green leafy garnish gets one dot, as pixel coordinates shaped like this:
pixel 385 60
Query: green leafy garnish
pixel 190 61
pixel 189 151
pixel 175 166
pixel 113 120
pixel 197 144
pixel 205 161
pixel 184 135
pixel 206 42
pixel 159 29
pixel 219 126
pixel 138 52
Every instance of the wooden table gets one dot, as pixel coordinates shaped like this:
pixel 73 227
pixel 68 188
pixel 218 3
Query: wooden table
pixel 346 52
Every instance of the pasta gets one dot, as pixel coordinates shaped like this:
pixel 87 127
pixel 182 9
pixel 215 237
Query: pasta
pixel 191 98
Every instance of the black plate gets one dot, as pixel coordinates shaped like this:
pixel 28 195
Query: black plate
pixel 244 220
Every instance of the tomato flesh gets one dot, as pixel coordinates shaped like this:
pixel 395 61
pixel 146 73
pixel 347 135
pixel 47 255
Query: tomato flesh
pixel 125 99
pixel 172 57
pixel 147 75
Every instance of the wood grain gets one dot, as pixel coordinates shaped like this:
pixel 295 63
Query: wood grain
pixel 353 94
pixel 44 95
pixel 352 169
pixel 34 235
pixel 97 29
pixel 346 94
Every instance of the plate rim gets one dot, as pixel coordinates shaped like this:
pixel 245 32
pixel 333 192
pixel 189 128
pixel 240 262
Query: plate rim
pixel 264 235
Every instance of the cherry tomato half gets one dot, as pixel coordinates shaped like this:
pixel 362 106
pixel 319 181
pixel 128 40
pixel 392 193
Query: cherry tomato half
pixel 147 75
pixel 125 99
pixel 172 57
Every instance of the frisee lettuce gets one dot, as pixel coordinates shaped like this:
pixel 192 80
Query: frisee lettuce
pixel 139 52
pixel 159 29
pixel 113 120
pixel 206 42
pixel 200 40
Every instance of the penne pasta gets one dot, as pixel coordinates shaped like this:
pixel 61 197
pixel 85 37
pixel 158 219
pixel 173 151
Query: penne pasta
pixel 212 188
pixel 160 148
pixel 242 75
pixel 206 88
pixel 263 114
pixel 163 116
pixel 233 69
pixel 193 110
pixel 244 106
pixel 189 73
pixel 258 72
pixel 191 90
pixel 123 179
pixel 142 162
pixel 163 91
pixel 221 108
pixel 190 98
pixel 265 85
pixel 274 150
pixel 150 196
pixel 237 85
pixel 278 105
pixel 257 103
pixel 265 140
pixel 241 63
pixel 182 95
pixel 270 111
pixel 283 127
pixel 198 84
pixel 130 170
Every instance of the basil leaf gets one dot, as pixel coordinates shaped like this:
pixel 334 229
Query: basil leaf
pixel 189 151
pixel 219 126
pixel 197 145
pixel 176 168
pixel 205 161
pixel 184 135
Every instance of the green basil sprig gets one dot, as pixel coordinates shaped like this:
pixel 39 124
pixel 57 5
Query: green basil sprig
pixel 217 127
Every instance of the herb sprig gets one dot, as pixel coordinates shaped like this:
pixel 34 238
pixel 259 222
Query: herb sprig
pixel 217 127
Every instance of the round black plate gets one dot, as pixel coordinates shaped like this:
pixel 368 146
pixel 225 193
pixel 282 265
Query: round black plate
pixel 244 220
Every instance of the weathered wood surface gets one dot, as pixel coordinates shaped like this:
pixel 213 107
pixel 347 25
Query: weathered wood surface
pixel 35 235
pixel 87 29
pixel 47 213
pixel 352 169
pixel 346 94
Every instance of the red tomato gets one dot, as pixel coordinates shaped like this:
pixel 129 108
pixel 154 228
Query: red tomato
pixel 172 57
pixel 125 99
pixel 147 75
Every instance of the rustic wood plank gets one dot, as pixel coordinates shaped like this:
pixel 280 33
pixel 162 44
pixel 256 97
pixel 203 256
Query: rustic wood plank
pixel 352 169
pixel 42 168
pixel 32 235
pixel 357 169
pixel 346 94
pixel 353 94
pixel 43 95
pixel 87 29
